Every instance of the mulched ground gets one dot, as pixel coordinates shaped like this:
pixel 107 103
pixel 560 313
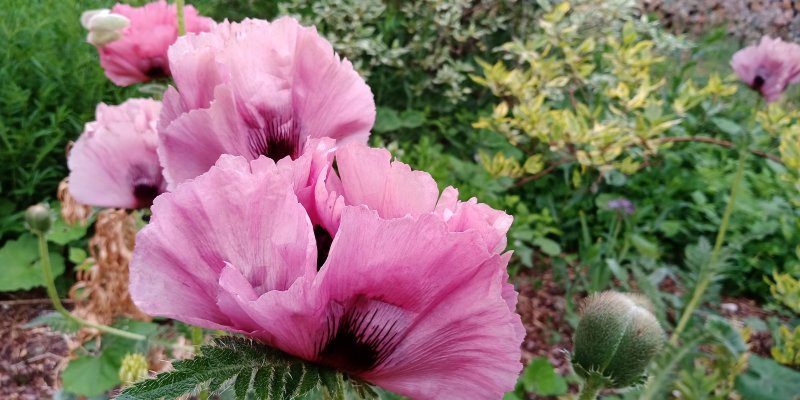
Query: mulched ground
pixel 30 359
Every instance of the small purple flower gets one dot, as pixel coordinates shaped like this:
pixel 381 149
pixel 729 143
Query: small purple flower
pixel 622 205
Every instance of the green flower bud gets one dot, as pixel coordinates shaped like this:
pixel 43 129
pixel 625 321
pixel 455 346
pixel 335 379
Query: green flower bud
pixel 134 368
pixel 616 339
pixel 39 218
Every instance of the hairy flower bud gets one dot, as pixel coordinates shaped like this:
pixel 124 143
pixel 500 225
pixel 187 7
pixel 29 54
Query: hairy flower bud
pixel 616 339
pixel 39 218
pixel 134 368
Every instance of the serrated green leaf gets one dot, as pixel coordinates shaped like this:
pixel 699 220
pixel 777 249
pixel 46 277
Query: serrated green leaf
pixel 242 385
pixel 261 382
pixel 250 367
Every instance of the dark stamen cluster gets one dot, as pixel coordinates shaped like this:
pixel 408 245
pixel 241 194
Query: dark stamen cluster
pixel 356 342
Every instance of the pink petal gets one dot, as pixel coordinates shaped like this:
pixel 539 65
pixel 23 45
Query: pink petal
pixel 367 176
pixel 433 298
pixel 229 215
pixel 492 224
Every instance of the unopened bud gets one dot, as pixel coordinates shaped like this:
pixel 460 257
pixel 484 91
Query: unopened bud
pixel 39 218
pixel 134 368
pixel 616 339
pixel 104 26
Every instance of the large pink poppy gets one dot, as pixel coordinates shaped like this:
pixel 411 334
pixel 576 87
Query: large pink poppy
pixel 257 88
pixel 139 52
pixel 769 67
pixel 413 302
pixel 114 162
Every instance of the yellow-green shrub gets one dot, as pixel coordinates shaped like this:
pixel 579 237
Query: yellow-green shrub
pixel 585 90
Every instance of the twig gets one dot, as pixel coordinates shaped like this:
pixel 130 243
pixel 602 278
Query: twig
pixel 542 173
pixel 31 301
pixel 718 142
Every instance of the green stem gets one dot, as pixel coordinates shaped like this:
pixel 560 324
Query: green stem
pixel 181 21
pixel 591 387
pixel 53 294
pixel 711 267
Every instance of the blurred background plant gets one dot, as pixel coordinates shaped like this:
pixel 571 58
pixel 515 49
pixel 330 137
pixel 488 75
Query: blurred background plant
pixel 610 139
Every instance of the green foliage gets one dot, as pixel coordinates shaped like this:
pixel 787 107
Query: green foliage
pixel 786 290
pixel 581 89
pixel 252 369
pixel 540 378
pixel 787 350
pixel 416 49
pixel 20 267
pixel 51 82
pixel 96 371
pixel 767 380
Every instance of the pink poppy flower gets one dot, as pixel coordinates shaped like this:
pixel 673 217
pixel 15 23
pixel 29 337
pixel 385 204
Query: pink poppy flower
pixel 137 51
pixel 114 162
pixel 257 88
pixel 407 303
pixel 769 68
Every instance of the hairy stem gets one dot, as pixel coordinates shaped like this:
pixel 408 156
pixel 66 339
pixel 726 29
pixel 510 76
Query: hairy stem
pixel 197 341
pixel 591 387
pixel 711 268
pixel 181 21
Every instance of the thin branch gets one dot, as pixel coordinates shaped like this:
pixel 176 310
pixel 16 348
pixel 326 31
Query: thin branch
pixel 718 142
pixel 542 173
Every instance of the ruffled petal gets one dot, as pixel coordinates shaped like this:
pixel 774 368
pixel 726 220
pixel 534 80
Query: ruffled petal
pixel 228 216
pixel 429 308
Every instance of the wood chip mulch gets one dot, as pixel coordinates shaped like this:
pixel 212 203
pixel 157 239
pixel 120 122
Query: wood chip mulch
pixel 30 359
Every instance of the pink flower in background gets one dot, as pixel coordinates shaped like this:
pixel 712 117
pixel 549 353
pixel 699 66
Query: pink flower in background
pixel 137 51
pixel 257 88
pixel 416 302
pixel 769 67
pixel 114 163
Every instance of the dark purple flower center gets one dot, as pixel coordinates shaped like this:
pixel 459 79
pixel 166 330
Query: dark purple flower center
pixel 277 138
pixel 362 338
pixel 147 183
pixel 758 82
pixel 156 71
pixel 145 194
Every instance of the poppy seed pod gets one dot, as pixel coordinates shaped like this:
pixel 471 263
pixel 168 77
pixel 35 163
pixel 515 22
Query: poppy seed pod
pixel 616 339
pixel 39 218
